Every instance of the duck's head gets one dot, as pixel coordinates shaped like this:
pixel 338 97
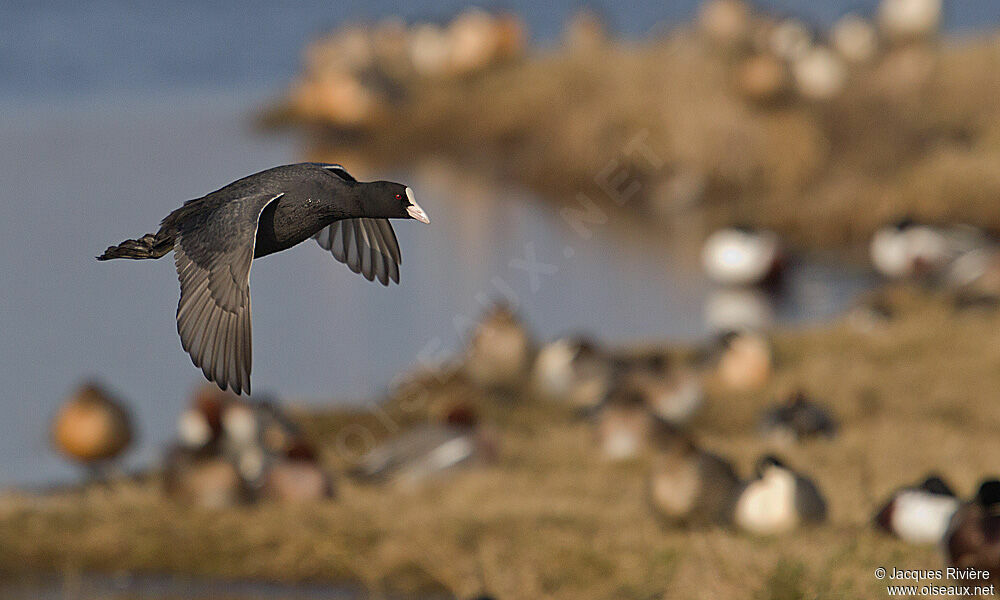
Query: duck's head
pixel 389 200
pixel 768 463
pixel 934 484
pixel 988 495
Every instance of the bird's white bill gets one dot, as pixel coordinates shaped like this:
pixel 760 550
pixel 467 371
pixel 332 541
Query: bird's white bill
pixel 414 209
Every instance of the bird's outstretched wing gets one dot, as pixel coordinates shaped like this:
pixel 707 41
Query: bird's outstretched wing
pixel 213 254
pixel 367 246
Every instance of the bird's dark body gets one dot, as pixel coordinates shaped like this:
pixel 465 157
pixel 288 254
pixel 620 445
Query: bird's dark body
pixel 312 199
pixel 216 237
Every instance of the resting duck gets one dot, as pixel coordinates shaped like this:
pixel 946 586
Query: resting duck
pixel 429 450
pixel 499 353
pixel 909 249
pixel 778 500
pixel 624 424
pixel 688 485
pixel 199 427
pixel 92 428
pixel 673 394
pixel 573 371
pixel 919 514
pixel 203 481
pixel 297 476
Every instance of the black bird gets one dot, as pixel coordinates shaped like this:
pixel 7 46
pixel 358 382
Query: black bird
pixel 216 237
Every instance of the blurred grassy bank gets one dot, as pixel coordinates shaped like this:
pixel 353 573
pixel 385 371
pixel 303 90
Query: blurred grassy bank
pixel 550 519
pixel 916 130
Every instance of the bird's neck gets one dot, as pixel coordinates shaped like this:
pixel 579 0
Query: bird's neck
pixel 348 205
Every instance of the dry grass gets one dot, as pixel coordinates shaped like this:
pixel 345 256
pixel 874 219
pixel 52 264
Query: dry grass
pixel 551 520
pixel 915 133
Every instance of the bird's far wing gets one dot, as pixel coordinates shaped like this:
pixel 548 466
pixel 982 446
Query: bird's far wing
pixel 213 255
pixel 367 246
pixel 339 171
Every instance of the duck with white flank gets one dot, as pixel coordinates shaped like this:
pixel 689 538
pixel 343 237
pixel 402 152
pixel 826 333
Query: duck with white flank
pixel 907 248
pixel 688 485
pixel 919 514
pixel 778 500
pixel 428 450
pixel 742 256
pixel 199 427
pixel 973 536
pixel 216 238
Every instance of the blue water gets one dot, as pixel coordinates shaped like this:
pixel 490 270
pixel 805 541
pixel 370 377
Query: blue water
pixel 113 113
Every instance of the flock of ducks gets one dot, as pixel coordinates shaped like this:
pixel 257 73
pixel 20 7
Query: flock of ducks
pixel 353 74
pixel 930 513
pixel 748 265
pixel 642 404
pixel 961 258
pixel 781 58
pixel 234 451
pixel 229 450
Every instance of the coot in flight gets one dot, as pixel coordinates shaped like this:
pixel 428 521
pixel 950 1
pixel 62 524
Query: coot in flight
pixel 215 238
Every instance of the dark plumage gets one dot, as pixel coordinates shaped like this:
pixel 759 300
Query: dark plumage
pixel 973 536
pixel 215 239
pixel 798 418
pixel 689 485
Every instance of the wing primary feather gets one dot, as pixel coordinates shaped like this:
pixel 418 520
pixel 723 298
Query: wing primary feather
pixel 352 240
pixel 222 356
pixel 377 251
pixel 338 246
pixel 367 251
pixel 247 346
pixel 389 237
pixel 366 245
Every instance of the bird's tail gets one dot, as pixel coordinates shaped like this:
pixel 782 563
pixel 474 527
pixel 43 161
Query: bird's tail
pixel 148 246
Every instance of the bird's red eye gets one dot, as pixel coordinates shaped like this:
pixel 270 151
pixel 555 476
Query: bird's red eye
pixel 399 196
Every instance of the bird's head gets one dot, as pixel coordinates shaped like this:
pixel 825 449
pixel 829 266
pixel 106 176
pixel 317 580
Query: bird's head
pixel 395 201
